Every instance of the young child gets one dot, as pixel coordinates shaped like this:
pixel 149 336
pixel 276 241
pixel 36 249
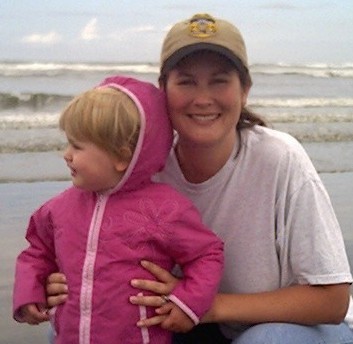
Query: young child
pixel 98 231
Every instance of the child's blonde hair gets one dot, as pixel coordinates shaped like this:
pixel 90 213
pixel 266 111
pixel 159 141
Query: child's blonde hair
pixel 106 117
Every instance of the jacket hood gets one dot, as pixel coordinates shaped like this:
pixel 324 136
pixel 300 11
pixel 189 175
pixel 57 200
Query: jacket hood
pixel 156 134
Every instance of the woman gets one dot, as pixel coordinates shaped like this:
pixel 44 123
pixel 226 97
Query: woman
pixel 287 276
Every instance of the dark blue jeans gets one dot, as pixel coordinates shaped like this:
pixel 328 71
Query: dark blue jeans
pixel 201 334
pixel 274 333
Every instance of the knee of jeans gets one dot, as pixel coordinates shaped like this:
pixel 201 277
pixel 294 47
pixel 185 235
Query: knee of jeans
pixel 263 334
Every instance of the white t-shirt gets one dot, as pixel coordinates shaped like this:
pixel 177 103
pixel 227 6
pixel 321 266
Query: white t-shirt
pixel 273 213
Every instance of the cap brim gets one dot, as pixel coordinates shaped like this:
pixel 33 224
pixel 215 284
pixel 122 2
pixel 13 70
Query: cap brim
pixel 193 48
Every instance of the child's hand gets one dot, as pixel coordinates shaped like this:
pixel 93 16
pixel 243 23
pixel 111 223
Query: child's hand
pixel 34 314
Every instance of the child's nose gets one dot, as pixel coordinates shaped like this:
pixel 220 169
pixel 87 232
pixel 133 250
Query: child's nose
pixel 67 154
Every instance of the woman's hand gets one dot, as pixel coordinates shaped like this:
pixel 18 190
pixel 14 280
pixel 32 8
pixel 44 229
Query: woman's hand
pixel 163 286
pixel 173 319
pixel 57 291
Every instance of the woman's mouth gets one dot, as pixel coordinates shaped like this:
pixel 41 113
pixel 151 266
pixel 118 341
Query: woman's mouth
pixel 204 118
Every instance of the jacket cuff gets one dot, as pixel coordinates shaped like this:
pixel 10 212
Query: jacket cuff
pixel 187 310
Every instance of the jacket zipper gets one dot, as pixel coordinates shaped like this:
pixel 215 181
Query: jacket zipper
pixel 88 271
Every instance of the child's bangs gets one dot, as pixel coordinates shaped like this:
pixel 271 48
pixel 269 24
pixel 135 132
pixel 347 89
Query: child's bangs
pixel 77 121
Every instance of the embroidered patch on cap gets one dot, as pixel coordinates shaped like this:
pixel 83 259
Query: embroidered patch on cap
pixel 202 26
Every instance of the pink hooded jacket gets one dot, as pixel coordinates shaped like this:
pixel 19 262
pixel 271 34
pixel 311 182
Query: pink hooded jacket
pixel 98 241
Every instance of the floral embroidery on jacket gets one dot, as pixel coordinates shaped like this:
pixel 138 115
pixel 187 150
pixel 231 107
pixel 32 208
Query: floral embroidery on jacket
pixel 149 224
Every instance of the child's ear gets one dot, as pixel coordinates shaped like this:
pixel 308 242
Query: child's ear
pixel 122 163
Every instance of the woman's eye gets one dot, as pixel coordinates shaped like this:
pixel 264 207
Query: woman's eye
pixel 185 82
pixel 220 81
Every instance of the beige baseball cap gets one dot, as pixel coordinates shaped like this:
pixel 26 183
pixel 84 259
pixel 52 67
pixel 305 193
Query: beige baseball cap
pixel 203 32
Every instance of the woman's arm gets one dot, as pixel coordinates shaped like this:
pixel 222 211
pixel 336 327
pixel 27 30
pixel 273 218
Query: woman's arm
pixel 302 304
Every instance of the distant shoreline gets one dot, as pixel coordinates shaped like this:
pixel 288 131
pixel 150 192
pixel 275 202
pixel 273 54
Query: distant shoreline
pixel 327 157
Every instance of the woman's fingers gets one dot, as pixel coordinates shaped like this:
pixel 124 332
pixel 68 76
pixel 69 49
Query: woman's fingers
pixel 149 300
pixel 56 277
pixel 152 301
pixel 161 274
pixel 56 289
pixel 156 320
pixel 165 280
pixel 56 300
pixel 154 286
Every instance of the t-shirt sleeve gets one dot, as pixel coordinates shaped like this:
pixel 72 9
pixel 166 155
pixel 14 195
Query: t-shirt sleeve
pixel 311 245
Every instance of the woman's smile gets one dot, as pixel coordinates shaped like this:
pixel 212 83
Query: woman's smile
pixel 204 117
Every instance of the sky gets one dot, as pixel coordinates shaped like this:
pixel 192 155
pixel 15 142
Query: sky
pixel 297 31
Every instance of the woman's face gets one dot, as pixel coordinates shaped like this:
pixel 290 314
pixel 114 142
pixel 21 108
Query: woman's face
pixel 205 99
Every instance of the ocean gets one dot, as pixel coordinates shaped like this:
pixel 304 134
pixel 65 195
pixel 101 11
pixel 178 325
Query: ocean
pixel 313 102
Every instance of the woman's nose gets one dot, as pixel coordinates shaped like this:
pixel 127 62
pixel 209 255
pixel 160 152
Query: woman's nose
pixel 203 96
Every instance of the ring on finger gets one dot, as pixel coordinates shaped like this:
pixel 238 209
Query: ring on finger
pixel 165 299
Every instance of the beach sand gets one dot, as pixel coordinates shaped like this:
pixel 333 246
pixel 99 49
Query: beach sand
pixel 18 200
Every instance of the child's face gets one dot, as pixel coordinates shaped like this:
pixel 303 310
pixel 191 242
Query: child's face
pixel 92 168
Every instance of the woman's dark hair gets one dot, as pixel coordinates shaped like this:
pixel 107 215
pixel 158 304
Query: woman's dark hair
pixel 247 117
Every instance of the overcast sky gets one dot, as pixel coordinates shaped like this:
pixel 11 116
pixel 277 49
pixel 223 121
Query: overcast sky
pixel 298 31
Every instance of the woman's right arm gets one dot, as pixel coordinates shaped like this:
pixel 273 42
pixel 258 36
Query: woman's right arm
pixel 56 288
pixel 301 304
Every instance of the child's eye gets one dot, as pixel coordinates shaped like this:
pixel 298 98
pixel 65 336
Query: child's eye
pixel 74 145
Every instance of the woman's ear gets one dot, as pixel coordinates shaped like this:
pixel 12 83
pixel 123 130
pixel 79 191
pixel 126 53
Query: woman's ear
pixel 122 162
